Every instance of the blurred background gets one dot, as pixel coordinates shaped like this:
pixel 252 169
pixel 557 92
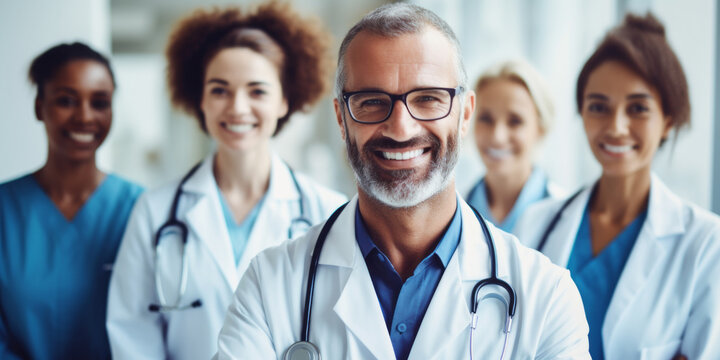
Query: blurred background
pixel 151 143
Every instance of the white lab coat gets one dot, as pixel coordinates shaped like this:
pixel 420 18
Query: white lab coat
pixel 666 299
pixel 347 322
pixel 134 331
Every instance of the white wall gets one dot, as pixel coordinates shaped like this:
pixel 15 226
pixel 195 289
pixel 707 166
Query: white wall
pixel 29 28
pixel 690 28
pixel 557 36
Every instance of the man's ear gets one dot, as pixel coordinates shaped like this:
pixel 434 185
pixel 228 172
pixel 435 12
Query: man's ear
pixel 338 116
pixel 38 106
pixel 467 114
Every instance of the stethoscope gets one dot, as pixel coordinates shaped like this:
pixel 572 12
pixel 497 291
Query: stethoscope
pixel 305 350
pixel 555 219
pixel 297 226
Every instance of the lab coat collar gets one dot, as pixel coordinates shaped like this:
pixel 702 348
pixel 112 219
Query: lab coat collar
pixel 472 252
pixel 561 239
pixel 205 219
pixel 664 219
pixel 341 249
pixel 664 210
pixel 281 187
pixel 358 306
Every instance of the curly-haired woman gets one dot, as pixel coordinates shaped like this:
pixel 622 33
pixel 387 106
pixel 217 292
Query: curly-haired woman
pixel 242 75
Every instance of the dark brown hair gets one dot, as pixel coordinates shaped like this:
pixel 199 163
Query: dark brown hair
pixel 297 46
pixel 640 44
pixel 46 65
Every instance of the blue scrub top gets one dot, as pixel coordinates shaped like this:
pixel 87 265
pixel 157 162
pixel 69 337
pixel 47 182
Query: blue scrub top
pixel 596 277
pixel 54 273
pixel 535 189
pixel 239 233
pixel 404 304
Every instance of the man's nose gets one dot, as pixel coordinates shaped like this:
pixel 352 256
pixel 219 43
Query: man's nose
pixel 400 126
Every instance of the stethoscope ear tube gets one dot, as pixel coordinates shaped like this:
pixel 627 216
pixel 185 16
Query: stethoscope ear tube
pixel 493 279
pixel 555 220
pixel 305 331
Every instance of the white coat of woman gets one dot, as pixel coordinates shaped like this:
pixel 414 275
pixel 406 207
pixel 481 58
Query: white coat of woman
pixel 645 261
pixel 242 74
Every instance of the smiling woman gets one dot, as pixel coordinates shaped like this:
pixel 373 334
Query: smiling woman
pixel 644 260
pixel 60 227
pixel 514 113
pixel 242 74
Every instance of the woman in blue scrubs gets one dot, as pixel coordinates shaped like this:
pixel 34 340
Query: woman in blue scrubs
pixel 60 227
pixel 644 260
pixel 514 112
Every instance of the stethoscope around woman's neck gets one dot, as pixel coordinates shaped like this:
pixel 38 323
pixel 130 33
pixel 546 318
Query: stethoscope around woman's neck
pixel 306 350
pixel 175 225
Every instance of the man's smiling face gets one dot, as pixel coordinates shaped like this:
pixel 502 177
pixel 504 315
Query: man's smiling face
pixel 402 162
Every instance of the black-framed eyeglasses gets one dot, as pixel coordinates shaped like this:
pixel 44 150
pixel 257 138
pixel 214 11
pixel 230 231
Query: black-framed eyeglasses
pixel 425 104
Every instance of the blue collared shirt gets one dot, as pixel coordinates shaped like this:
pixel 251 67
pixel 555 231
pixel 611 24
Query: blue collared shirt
pixel 404 304
pixel 535 189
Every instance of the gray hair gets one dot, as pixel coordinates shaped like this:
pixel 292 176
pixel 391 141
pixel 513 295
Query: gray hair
pixel 393 20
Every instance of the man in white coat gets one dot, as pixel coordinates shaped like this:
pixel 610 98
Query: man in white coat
pixel 394 277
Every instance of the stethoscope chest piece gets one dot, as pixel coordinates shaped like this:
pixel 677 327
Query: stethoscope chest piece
pixel 302 350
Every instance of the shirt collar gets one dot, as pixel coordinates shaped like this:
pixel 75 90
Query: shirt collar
pixel 444 249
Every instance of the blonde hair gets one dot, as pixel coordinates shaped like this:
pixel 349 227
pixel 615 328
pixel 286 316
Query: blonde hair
pixel 525 74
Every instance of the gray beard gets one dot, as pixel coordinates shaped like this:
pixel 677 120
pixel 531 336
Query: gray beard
pixel 407 187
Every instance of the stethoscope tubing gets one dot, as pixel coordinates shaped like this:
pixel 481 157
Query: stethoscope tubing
pixel 174 222
pixel 492 280
pixel 553 223
pixel 305 331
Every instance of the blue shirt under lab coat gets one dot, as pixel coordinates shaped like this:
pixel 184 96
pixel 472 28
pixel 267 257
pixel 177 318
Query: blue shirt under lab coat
pixel 597 276
pixel 54 272
pixel 404 304
pixel 535 189
pixel 239 233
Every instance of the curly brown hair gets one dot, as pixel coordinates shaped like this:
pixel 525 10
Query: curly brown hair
pixel 304 64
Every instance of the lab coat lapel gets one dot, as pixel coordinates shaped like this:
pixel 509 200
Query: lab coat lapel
pixel 561 239
pixel 357 305
pixel 448 315
pixel 273 220
pixel 664 219
pixel 206 221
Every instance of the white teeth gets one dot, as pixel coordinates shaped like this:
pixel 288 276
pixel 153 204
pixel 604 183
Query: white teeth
pixel 82 137
pixel 402 155
pixel 239 128
pixel 617 149
pixel 498 153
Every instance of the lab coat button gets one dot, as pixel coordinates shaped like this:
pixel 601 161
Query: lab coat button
pixel 401 327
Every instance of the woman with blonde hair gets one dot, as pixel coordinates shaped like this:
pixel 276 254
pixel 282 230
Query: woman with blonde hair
pixel 514 113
